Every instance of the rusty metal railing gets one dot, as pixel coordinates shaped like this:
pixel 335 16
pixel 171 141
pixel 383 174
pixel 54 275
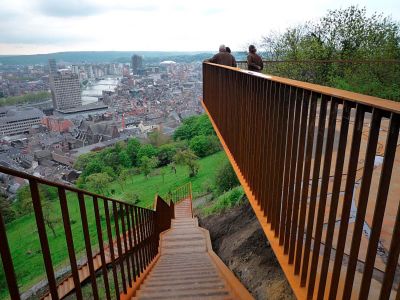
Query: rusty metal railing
pixel 182 192
pixel 316 164
pixel 116 234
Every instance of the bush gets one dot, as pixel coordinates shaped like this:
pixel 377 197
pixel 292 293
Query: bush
pixel 225 201
pixel 204 145
pixel 193 126
pixel 226 178
pixel 166 154
pixel 146 150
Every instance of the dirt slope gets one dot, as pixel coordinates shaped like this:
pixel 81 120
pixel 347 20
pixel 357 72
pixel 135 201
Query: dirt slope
pixel 240 242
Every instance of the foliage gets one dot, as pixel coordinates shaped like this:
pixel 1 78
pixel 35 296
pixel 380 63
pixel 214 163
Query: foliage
pixel 204 145
pixel 147 164
pixel 27 98
pixel 225 201
pixel 98 181
pixel 83 160
pixel 22 235
pixel 146 150
pixel 344 34
pixel 48 194
pixel 131 197
pixel 226 178
pixel 166 154
pixel 193 126
pixel 157 138
pixel 132 148
pixel 6 210
pixel 188 158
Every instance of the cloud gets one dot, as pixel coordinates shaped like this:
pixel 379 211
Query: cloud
pixel 43 37
pixel 213 11
pixel 70 8
pixel 84 8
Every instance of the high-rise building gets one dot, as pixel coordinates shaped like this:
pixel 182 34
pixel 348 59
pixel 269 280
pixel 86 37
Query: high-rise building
pixel 136 63
pixel 65 90
pixel 53 66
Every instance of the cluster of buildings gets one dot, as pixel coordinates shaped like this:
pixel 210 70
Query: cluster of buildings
pixel 145 98
pixel 19 80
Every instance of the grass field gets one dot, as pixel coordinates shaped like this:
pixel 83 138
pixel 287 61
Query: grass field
pixel 23 237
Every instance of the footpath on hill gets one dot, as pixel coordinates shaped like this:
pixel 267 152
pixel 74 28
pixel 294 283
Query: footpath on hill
pixel 239 241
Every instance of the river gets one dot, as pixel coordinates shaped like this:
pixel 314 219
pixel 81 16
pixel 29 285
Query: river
pixel 91 91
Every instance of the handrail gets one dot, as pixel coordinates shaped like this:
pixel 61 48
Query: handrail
pixel 288 143
pixel 127 240
pixel 182 192
pixel 327 61
pixel 44 181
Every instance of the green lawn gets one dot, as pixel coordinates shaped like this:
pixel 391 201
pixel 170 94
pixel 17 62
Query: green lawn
pixel 146 188
pixel 22 233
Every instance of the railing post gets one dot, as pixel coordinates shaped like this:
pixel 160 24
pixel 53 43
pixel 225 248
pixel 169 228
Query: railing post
pixel 70 242
pixel 7 262
pixel 44 243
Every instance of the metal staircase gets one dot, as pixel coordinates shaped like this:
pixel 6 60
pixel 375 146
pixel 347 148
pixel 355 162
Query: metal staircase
pixel 187 267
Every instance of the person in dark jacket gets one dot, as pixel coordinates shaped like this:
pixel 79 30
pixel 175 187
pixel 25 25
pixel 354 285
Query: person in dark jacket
pixel 228 49
pixel 223 58
pixel 254 61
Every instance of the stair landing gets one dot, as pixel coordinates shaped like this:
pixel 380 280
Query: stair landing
pixel 187 267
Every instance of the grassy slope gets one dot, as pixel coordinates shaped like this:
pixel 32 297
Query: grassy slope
pixel 23 238
pixel 146 188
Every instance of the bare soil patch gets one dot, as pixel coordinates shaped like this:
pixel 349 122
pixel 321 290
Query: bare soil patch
pixel 239 241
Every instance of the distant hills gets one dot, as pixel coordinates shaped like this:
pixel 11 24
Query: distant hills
pixel 107 57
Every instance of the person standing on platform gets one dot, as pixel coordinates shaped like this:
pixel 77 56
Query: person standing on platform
pixel 254 61
pixel 223 58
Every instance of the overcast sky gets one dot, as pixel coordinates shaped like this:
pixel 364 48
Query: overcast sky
pixel 44 26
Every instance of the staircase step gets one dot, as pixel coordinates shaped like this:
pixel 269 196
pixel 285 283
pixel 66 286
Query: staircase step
pixel 184 270
pixel 187 294
pixel 182 278
pixel 213 286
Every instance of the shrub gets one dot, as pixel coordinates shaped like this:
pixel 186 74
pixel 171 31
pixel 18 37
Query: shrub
pixel 204 145
pixel 226 178
pixel 225 201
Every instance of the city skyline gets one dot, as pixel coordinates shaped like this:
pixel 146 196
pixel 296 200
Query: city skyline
pixel 46 26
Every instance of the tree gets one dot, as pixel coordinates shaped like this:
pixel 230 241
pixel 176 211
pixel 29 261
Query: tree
pixel 147 164
pixel 98 181
pixel 23 203
pixel 146 150
pixel 123 176
pixel 50 218
pixel 131 197
pixel 343 34
pixel 93 166
pixel 111 159
pixel 124 160
pixel 188 158
pixel 204 145
pixel 157 138
pixel 226 178
pixel 6 210
pixel 83 160
pixel 193 126
pixel 132 149
pixel 47 196
pixel 166 154
pixel 162 173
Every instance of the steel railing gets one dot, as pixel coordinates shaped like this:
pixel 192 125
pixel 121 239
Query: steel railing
pixel 126 240
pixel 181 193
pixel 306 156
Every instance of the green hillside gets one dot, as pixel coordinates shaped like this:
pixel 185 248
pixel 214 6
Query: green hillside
pixel 23 237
